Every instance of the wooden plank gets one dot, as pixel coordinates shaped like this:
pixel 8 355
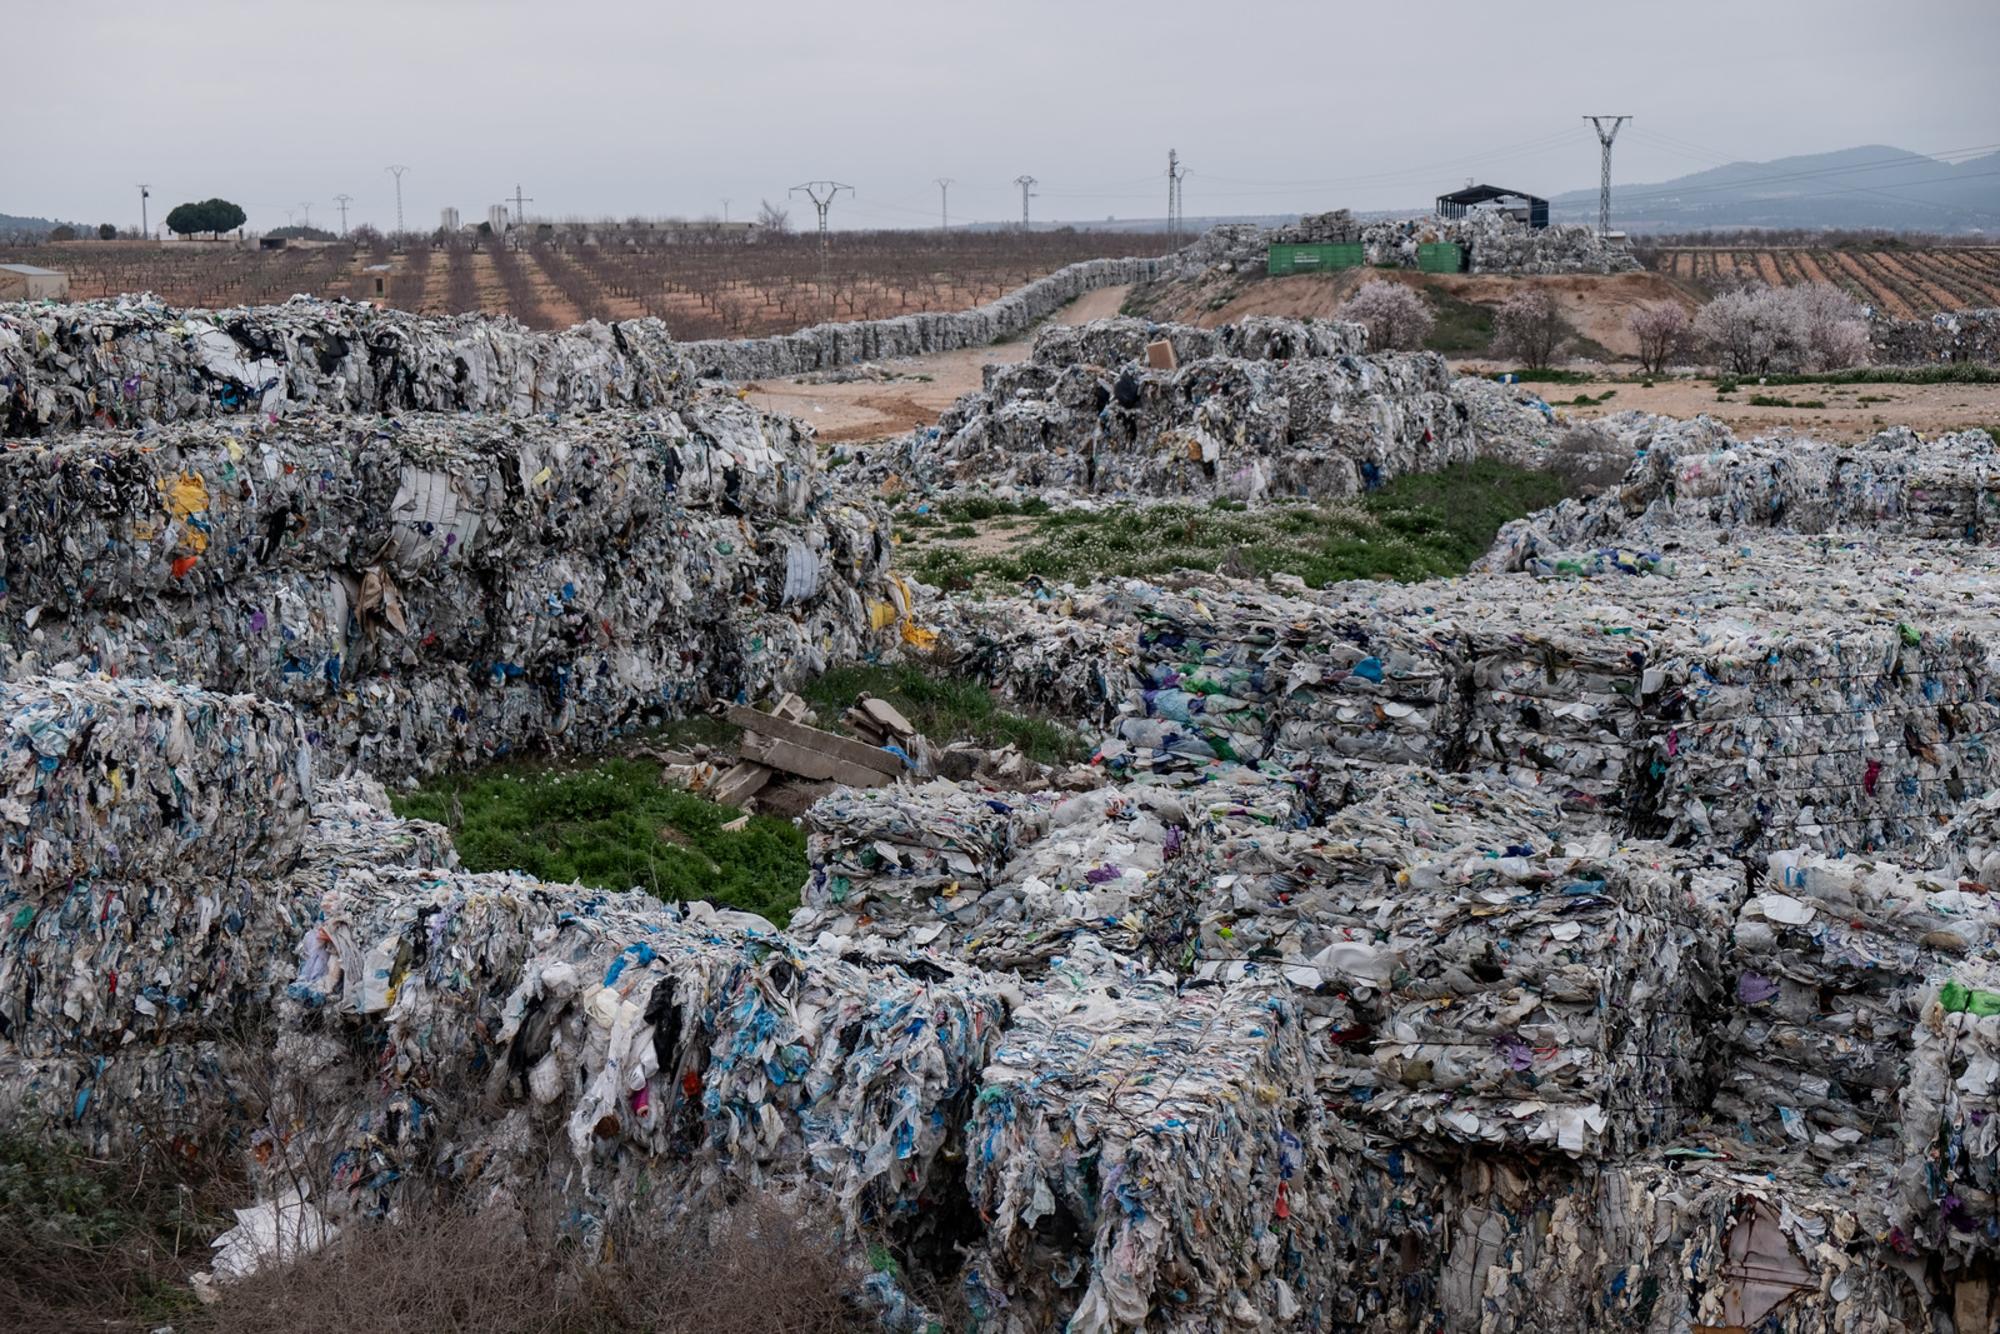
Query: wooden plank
pixel 811 738
pixel 809 763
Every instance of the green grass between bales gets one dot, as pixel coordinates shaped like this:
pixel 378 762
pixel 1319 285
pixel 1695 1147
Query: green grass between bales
pixel 1416 527
pixel 614 825
pixel 944 708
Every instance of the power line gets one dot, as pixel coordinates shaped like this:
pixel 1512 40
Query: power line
pixel 822 194
pixel 1605 137
pixel 343 201
pixel 944 184
pixel 520 199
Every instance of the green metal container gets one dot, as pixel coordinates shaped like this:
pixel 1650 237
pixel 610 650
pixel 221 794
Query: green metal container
pixel 1439 257
pixel 1287 259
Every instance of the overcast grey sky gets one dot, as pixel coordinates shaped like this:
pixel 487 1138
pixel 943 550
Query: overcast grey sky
pixel 662 107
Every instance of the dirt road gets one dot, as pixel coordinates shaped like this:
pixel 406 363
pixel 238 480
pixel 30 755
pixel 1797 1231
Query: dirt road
pixel 864 410
pixel 1852 412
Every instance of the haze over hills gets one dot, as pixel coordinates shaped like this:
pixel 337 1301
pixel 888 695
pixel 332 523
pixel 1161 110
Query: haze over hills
pixel 1871 186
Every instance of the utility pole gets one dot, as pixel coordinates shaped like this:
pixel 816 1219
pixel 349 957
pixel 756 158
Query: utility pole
pixel 1026 183
pixel 822 193
pixel 343 201
pixel 520 199
pixel 145 193
pixel 944 184
pixel 397 172
pixel 1175 171
pixel 309 215
pixel 1605 137
pixel 725 208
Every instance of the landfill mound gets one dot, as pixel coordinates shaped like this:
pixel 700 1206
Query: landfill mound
pixel 1971 336
pixel 1268 409
pixel 1492 243
pixel 133 361
pixel 429 589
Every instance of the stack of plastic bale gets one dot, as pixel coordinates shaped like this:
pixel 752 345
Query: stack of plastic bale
pixel 353 825
pixel 134 362
pixel 826 346
pixel 1829 963
pixel 1951 1133
pixel 1097 869
pixel 1784 730
pixel 142 828
pixel 1242 422
pixel 1067 652
pixel 1114 343
pixel 1509 422
pixel 1948 336
pixel 434 588
pixel 1557 693
pixel 1677 1239
pixel 613 1058
pixel 914 863
pixel 1234 670
pixel 1146 1157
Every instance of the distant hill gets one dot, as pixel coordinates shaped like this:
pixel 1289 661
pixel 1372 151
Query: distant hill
pixel 12 225
pixel 1871 186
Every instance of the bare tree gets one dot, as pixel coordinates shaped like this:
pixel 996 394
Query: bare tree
pixel 1396 317
pixel 773 218
pixel 1531 327
pixel 1664 332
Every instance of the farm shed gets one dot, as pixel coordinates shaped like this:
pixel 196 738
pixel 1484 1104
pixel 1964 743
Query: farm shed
pixel 1531 209
pixel 31 282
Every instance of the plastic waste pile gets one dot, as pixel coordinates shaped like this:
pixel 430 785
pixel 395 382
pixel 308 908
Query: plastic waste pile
pixel 918 859
pixel 430 589
pixel 140 962
pixel 1829 961
pixel 1146 1156
pixel 826 346
pixel 1697 475
pixel 1949 336
pixel 1229 425
pixel 1124 340
pixel 635 1056
pixel 1509 422
pixel 133 361
pixel 1951 1138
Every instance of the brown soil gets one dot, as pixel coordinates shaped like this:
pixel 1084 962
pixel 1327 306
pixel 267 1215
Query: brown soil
pixel 1930 409
pixel 865 410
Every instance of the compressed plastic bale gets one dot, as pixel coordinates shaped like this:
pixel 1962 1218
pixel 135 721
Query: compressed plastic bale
pixel 133 361
pixel 1951 1156
pixel 1144 1158
pixel 915 860
pixel 680 1047
pixel 133 780
pixel 494 583
pixel 1666 1240
pixel 1828 966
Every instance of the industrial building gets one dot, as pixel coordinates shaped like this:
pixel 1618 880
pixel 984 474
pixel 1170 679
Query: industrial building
pixel 1526 208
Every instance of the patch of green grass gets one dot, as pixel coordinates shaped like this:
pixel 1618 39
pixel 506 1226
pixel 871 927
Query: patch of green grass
pixel 614 825
pixel 1957 372
pixel 1586 401
pixel 1458 328
pixel 1772 401
pixel 959 532
pixel 1416 527
pixel 944 708
pixel 977 509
